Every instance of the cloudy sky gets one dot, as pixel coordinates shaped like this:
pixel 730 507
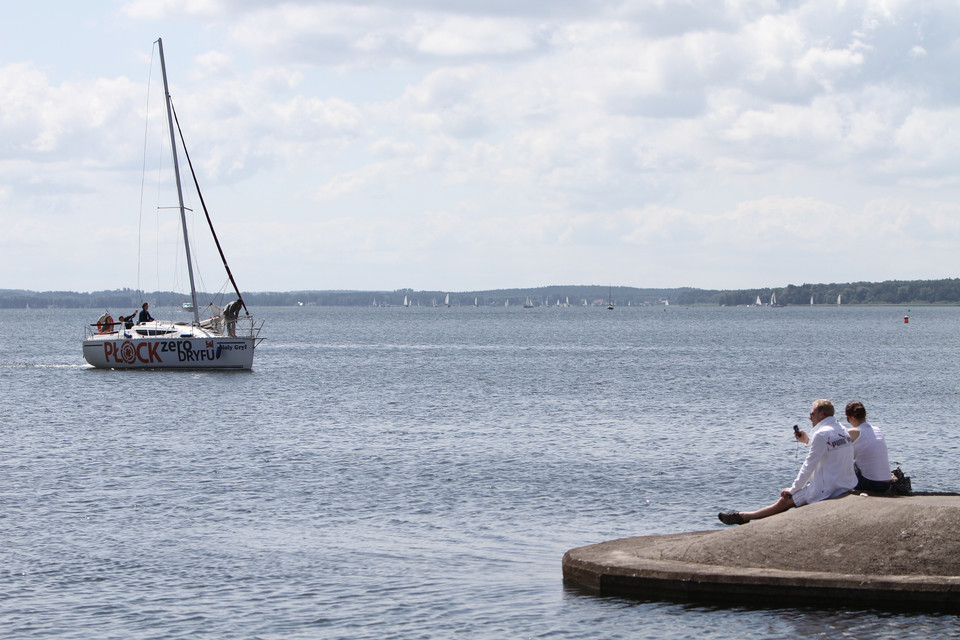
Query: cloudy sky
pixel 473 144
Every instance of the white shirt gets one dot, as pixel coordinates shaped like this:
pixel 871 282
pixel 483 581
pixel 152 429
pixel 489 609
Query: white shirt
pixel 870 453
pixel 828 468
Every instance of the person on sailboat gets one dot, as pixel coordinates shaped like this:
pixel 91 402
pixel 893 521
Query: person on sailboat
pixel 870 459
pixel 230 313
pixel 827 471
pixel 144 315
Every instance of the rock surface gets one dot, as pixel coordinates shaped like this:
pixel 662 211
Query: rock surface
pixel 888 549
pixel 907 535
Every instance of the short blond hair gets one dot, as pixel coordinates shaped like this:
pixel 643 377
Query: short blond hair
pixel 824 406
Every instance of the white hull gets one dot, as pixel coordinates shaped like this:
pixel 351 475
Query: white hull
pixel 164 345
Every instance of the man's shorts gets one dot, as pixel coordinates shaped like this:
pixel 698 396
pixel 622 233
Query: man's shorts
pixel 800 496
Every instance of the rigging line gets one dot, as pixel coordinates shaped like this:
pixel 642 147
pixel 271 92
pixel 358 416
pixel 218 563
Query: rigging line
pixel 157 220
pixel 203 204
pixel 143 172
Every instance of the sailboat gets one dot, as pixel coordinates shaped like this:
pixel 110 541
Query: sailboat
pixel 447 301
pixel 610 304
pixel 838 299
pixel 225 340
pixel 528 304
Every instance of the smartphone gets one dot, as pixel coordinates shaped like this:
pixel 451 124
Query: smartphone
pixel 796 431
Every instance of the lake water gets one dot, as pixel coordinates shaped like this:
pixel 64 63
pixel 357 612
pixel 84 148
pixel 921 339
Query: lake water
pixel 419 473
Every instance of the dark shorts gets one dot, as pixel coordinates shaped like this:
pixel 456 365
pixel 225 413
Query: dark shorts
pixel 873 486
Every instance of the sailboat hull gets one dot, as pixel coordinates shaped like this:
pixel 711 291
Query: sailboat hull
pixel 126 350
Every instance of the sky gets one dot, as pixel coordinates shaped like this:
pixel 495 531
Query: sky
pixel 482 144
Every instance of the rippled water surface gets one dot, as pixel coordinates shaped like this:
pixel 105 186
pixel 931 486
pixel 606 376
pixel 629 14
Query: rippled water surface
pixel 419 473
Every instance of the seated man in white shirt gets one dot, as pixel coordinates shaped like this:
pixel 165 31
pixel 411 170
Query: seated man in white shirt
pixel 826 473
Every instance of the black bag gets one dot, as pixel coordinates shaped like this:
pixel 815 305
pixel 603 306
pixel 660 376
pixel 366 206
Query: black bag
pixel 901 483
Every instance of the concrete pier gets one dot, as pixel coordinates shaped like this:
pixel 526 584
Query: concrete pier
pixel 901 552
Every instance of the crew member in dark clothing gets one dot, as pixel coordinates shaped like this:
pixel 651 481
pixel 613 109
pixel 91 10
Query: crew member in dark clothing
pixel 144 315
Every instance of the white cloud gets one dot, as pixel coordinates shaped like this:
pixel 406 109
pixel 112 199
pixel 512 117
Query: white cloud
pixel 468 36
pixel 672 133
pixel 927 144
pixel 174 9
pixel 77 119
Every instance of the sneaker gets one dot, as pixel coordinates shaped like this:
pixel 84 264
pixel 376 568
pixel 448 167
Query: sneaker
pixel 731 517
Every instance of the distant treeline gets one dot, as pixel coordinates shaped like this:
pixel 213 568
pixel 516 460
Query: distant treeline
pixel 903 292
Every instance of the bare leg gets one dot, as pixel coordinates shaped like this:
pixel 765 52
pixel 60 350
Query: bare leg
pixel 781 505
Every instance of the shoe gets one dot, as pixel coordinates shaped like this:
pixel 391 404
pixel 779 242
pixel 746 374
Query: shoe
pixel 731 517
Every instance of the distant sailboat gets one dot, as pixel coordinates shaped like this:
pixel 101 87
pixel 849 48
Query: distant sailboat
pixel 447 301
pixel 476 302
pixel 811 301
pixel 528 304
pixel 610 304
pixel 759 303
pixel 406 302
pixel 838 299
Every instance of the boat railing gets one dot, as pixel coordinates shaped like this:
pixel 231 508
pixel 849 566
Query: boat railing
pixel 244 327
pixel 102 329
pixel 247 328
pixel 91 330
pixel 241 327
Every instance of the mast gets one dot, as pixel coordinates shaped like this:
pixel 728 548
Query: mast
pixel 176 173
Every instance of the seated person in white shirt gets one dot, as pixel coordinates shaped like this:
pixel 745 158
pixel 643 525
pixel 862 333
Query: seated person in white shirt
pixel 870 460
pixel 827 472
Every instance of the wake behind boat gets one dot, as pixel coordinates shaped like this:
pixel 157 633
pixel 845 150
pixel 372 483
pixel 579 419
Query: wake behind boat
pixel 225 340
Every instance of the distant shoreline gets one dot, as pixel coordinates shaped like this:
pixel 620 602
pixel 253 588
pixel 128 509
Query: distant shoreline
pixel 943 292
